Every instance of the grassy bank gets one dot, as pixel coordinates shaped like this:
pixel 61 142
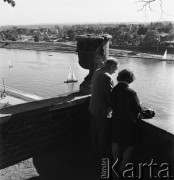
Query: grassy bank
pixel 39 46
pixel 71 47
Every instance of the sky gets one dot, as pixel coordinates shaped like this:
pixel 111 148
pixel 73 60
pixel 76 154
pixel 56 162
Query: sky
pixel 27 12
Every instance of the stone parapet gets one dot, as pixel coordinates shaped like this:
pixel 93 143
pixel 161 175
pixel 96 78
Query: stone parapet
pixel 45 124
pixel 34 126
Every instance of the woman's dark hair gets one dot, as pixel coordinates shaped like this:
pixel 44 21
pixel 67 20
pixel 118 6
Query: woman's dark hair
pixel 126 75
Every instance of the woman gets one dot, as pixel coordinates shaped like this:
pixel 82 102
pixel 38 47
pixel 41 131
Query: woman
pixel 126 108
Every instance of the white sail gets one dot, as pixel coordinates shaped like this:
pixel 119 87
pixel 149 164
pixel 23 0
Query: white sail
pixel 73 77
pixel 165 55
pixel 9 64
pixel 69 75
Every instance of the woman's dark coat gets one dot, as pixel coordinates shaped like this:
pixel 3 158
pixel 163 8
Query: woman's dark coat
pixel 126 107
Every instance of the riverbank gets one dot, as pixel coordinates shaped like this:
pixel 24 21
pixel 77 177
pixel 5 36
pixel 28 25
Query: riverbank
pixel 132 54
pixel 70 46
pixel 40 46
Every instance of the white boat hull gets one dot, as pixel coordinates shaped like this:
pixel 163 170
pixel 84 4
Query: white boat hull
pixel 71 81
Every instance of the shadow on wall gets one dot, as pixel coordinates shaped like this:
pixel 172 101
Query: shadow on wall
pixel 74 161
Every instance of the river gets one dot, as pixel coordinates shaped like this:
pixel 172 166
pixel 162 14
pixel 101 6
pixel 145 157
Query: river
pixel 43 74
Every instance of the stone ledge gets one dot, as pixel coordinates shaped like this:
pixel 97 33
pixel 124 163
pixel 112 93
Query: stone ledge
pixel 45 105
pixel 32 127
pixel 161 134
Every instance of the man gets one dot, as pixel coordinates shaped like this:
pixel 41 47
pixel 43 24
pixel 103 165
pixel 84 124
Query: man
pixel 100 105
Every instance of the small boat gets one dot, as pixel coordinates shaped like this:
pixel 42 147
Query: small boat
pixel 111 54
pixel 133 53
pixel 165 55
pixel 120 54
pixel 9 64
pixel 71 77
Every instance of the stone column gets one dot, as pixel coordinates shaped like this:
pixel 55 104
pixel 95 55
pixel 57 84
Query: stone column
pixel 93 51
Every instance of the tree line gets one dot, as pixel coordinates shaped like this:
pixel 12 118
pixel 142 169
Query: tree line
pixel 122 34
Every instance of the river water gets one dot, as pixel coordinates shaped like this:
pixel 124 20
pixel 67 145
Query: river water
pixel 43 74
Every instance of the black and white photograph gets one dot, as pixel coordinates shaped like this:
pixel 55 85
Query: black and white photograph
pixel 86 89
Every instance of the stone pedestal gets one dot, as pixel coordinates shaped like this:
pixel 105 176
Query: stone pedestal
pixel 93 51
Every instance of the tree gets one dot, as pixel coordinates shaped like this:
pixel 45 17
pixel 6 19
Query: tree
pixel 128 37
pixel 90 30
pixel 36 38
pixel 142 30
pixel 151 38
pixel 117 35
pixel 147 4
pixel 71 34
pixel 10 37
pixel 139 40
pixel 10 2
pixel 168 27
pixel 170 36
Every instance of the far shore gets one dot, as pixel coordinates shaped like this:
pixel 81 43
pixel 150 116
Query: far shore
pixel 68 47
pixel 40 46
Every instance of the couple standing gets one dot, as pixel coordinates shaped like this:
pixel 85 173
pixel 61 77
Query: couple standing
pixel 116 134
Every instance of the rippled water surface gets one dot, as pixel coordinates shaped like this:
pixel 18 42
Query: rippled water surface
pixel 43 74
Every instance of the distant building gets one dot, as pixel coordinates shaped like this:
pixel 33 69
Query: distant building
pixel 169 43
pixel 162 37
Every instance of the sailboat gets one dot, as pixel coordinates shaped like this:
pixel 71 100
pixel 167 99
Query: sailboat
pixel 165 55
pixel 71 77
pixel 9 64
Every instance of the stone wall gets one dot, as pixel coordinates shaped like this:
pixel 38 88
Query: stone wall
pixel 46 124
pixel 156 144
pixel 31 127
